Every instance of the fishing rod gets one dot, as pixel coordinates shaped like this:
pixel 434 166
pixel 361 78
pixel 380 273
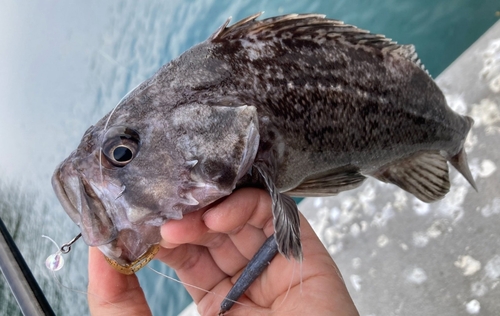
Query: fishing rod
pixel 28 294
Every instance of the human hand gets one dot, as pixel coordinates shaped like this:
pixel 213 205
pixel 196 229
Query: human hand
pixel 210 248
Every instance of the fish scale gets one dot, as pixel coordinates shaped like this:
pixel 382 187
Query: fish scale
pixel 297 104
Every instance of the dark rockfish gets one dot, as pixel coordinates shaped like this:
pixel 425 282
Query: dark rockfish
pixel 298 104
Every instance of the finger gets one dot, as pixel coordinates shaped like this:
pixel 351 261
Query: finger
pixel 191 229
pixel 227 256
pixel 188 230
pixel 248 206
pixel 195 267
pixel 210 304
pixel 113 293
pixel 286 284
pixel 238 249
pixel 209 266
pixel 230 216
pixel 242 216
pixel 245 206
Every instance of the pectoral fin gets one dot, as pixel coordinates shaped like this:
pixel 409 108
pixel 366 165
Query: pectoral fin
pixel 286 218
pixel 425 175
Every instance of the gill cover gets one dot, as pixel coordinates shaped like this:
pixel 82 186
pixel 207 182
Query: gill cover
pixel 219 144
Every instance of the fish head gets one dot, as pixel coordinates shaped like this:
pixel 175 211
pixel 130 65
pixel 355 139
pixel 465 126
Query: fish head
pixel 129 176
pixel 116 195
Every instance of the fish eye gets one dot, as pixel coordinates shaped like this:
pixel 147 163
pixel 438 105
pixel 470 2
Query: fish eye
pixel 120 146
pixel 122 154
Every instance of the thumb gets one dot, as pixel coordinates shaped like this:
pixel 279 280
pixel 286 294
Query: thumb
pixel 113 293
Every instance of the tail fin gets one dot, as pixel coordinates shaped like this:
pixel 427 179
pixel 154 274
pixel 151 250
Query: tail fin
pixel 459 161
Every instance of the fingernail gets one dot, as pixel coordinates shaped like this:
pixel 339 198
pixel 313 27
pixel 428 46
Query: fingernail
pixel 205 214
pixel 212 207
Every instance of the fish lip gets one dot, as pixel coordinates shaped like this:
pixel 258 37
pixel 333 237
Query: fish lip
pixel 96 224
pixel 62 196
pixel 86 213
pixel 136 265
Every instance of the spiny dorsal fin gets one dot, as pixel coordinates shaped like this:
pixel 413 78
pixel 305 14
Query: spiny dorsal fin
pixel 425 175
pixel 314 27
pixel 408 52
pixel 219 33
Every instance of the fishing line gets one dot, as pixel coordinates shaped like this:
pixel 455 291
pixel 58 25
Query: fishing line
pixel 81 292
pixel 106 127
pixel 194 286
pixel 189 285
pixel 288 289
pixel 301 275
pixel 207 291
pixel 55 262
pixel 236 302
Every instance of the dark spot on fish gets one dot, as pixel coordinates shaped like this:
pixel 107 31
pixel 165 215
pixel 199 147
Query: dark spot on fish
pixel 218 171
pixel 419 120
pixel 271 135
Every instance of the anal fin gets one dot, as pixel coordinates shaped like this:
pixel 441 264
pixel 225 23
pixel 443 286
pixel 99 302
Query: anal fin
pixel 424 174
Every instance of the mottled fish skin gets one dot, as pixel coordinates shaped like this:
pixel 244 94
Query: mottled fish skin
pixel 329 100
pixel 297 103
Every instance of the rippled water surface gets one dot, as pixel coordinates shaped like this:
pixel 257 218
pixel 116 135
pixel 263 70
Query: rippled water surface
pixel 65 64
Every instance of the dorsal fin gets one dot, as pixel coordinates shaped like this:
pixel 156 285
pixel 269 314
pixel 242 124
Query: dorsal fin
pixel 409 53
pixel 314 27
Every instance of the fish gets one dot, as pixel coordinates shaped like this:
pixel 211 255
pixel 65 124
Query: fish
pixel 298 104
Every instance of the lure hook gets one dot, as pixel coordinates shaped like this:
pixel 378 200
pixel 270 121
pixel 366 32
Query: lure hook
pixel 55 261
pixel 65 248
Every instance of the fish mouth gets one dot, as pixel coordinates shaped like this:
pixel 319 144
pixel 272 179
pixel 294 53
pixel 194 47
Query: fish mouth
pixel 83 206
pixel 136 265
pixel 126 250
